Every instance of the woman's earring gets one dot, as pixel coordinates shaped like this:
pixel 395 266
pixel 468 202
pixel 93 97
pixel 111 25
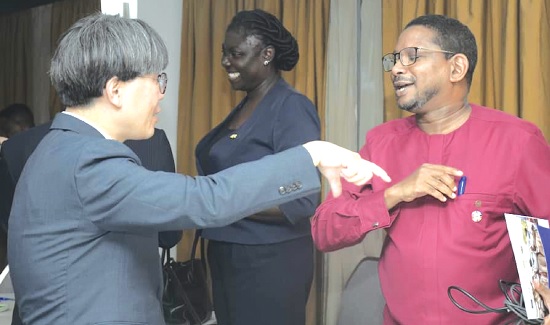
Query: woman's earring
pixel 266 62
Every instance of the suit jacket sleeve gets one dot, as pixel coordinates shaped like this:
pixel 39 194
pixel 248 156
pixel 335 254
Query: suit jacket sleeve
pixel 118 195
pixel 156 155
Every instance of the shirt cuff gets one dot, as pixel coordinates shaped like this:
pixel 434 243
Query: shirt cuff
pixel 373 212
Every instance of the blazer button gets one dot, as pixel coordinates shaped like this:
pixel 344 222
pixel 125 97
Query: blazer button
pixel 375 225
pixel 282 190
pixel 298 184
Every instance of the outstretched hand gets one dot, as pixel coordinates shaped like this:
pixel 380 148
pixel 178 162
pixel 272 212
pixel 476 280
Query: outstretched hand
pixel 335 162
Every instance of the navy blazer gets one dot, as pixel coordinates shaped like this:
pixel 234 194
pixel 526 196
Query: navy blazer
pixel 284 118
pixel 82 238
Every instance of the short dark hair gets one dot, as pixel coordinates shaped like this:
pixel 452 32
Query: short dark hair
pixel 270 31
pixel 453 36
pixel 99 47
pixel 16 117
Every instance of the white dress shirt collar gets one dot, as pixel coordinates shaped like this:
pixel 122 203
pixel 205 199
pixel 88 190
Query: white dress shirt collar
pixel 105 134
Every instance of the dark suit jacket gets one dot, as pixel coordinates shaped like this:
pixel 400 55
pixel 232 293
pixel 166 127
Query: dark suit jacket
pixel 82 241
pixel 155 154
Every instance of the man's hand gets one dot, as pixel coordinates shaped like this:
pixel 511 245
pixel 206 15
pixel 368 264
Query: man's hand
pixel 435 180
pixel 334 162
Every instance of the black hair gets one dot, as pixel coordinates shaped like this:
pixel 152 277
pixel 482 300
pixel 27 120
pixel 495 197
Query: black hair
pixel 270 31
pixel 15 118
pixel 453 36
pixel 18 113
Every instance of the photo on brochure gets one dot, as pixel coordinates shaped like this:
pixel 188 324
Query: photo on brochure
pixel 530 238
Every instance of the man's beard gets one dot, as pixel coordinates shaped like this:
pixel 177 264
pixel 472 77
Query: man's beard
pixel 419 100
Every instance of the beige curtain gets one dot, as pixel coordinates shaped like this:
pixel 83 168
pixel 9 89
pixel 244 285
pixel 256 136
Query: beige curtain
pixel 205 96
pixel 64 14
pixel 513 38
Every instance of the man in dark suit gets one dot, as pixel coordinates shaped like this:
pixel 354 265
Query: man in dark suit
pixel 155 154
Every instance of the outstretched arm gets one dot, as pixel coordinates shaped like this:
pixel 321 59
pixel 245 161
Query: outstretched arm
pixel 155 154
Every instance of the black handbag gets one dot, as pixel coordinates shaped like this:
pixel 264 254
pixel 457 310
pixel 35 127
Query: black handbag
pixel 186 298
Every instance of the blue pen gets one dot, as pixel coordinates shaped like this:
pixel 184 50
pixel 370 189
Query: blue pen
pixel 461 186
pixel 6 299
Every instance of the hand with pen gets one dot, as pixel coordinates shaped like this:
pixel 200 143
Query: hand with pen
pixel 441 182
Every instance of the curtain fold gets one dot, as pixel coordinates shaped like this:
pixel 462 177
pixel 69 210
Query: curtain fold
pixel 513 39
pixel 40 81
pixel 64 14
pixel 205 96
pixel 342 105
pixel 354 105
pixel 15 54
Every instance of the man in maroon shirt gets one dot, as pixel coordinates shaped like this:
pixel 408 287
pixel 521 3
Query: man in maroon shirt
pixel 441 232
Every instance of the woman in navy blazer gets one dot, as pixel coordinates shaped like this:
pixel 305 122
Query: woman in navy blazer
pixel 261 266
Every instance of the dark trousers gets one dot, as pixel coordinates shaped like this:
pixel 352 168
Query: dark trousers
pixel 261 284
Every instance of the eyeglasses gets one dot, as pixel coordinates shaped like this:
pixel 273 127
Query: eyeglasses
pixel 163 82
pixel 162 79
pixel 407 56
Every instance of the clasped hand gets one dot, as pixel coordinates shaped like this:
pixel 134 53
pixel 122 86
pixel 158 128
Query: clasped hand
pixel 335 162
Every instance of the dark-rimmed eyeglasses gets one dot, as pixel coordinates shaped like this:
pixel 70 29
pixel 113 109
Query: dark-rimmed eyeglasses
pixel 407 56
